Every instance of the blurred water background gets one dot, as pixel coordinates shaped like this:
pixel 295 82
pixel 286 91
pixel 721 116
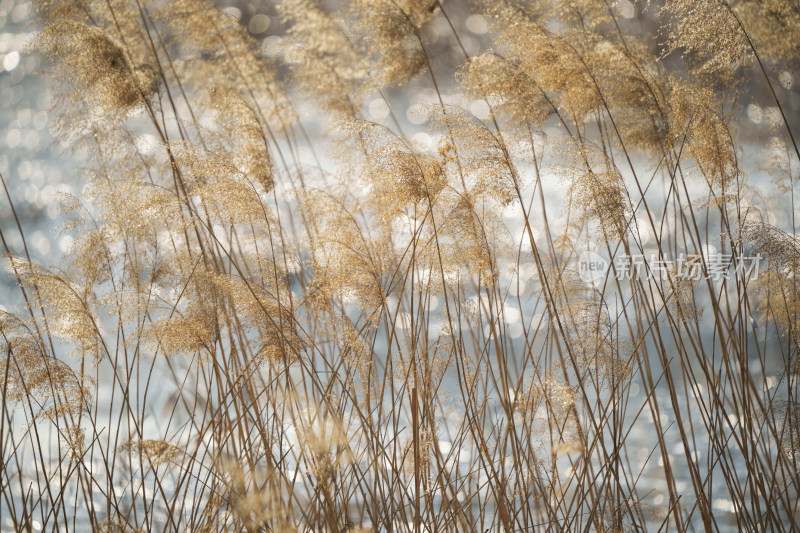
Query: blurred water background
pixel 37 169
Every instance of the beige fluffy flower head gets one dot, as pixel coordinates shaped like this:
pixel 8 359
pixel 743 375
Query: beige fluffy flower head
pixel 90 59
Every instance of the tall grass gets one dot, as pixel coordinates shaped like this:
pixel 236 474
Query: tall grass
pixel 279 314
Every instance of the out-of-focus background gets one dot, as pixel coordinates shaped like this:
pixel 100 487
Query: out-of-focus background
pixel 38 170
pixel 35 169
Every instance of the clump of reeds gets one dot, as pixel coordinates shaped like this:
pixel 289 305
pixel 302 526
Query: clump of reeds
pixel 268 323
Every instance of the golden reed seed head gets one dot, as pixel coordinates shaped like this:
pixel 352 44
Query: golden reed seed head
pixel 98 66
pixel 152 452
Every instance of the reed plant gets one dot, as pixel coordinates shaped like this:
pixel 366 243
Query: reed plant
pixel 282 312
